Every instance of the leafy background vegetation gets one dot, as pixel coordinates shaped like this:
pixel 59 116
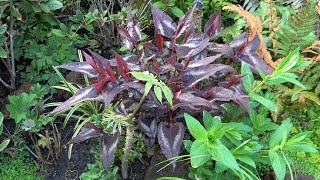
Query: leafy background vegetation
pixel 275 49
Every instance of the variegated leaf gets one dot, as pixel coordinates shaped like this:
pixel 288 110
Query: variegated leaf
pixel 163 23
pixel 149 127
pixel 108 149
pixel 185 22
pixel 204 61
pixel 191 48
pixel 170 139
pixel 88 93
pixel 213 26
pixel 122 66
pixel 133 29
pixel 81 67
pixel 192 76
pixel 85 135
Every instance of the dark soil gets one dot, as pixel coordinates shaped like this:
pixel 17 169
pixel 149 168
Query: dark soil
pixel 66 169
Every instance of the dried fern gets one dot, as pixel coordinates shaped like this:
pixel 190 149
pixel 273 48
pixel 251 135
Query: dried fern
pixel 298 32
pixel 314 50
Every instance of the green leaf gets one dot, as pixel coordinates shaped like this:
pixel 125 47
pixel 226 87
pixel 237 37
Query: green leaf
pixel 209 121
pixel 195 128
pixel 3 28
pixel 142 76
pixel 53 5
pixel 1 123
pixel 147 87
pixel 158 93
pixel 19 106
pixel 3 53
pixel 266 102
pixel 159 4
pixel 199 153
pixel 58 33
pixel 300 146
pixel 288 62
pixel 278 164
pixel 187 145
pixel 176 11
pixel 247 80
pixel 246 159
pixel 294 81
pixel 167 93
pixel 282 131
pixel 4 144
pixel 222 154
pixel 79 14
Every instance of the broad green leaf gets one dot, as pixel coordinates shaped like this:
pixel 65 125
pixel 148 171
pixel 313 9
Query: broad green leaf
pixel 264 101
pixel 288 62
pixel 246 159
pixel 4 144
pixel 158 93
pixel 176 11
pixel 168 94
pixel 53 4
pixel 3 53
pixel 147 87
pixel 300 146
pixel 199 153
pixel 222 154
pixel 209 121
pixel 159 4
pixel 278 164
pixel 195 128
pixel 142 76
pixel 248 79
pixel 294 81
pixel 58 33
pixel 187 145
pixel 278 135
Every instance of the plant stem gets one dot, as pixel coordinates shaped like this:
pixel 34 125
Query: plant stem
pixel 129 137
pixel 257 87
pixel 12 71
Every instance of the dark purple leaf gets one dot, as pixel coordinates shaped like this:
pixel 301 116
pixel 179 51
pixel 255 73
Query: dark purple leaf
pixel 170 139
pixel 148 126
pixel 163 23
pixel 88 93
pixel 108 96
pixel 81 67
pixel 191 48
pixel 122 66
pixel 108 148
pixel 221 49
pixel 126 38
pixel 192 76
pixel 213 26
pixel 133 29
pixel 85 135
pixel 223 94
pixel 159 42
pixel 204 61
pixel 131 61
pixel 193 103
pixel 185 22
pixel 246 51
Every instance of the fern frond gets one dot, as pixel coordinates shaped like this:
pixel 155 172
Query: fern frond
pixel 254 25
pixel 314 50
pixel 298 32
pixel 250 5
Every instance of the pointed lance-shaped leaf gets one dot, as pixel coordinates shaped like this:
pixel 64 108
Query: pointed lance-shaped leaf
pixel 85 135
pixel 213 26
pixel 192 102
pixel 122 66
pixel 185 22
pixel 170 139
pixel 133 29
pixel 88 93
pixel 159 42
pixel 163 23
pixel 126 38
pixel 246 52
pixel 191 48
pixel 108 149
pixel 204 61
pixel 148 126
pixel 192 76
pixel 81 67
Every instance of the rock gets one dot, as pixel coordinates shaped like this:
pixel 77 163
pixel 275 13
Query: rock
pixel 181 170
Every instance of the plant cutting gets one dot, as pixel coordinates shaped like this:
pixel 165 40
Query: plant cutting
pixel 159 80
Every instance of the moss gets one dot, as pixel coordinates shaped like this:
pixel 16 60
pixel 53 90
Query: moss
pixel 18 166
